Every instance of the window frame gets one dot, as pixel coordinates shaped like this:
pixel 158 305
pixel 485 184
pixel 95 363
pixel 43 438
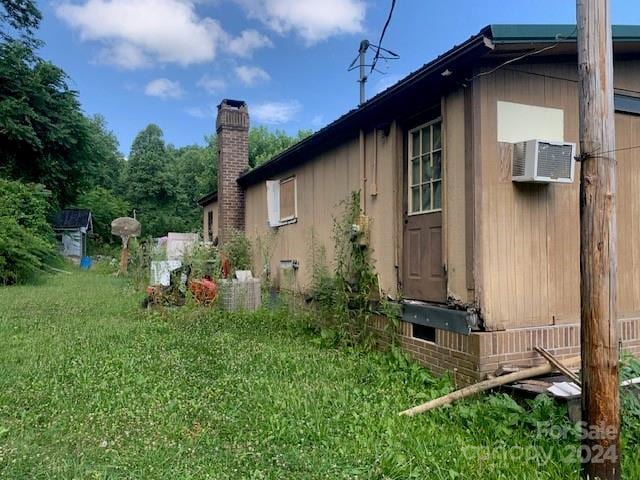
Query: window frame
pixel 210 225
pixel 294 217
pixel 411 157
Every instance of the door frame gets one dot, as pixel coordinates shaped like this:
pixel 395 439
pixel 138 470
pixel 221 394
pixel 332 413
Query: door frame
pixel 431 114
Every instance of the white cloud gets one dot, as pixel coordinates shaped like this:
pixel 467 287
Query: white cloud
pixel 313 20
pixel 211 84
pixel 138 33
pixel 163 88
pixel 275 113
pixel 201 112
pixel 251 75
pixel 248 41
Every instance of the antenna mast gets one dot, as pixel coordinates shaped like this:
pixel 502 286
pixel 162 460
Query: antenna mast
pixel 364 46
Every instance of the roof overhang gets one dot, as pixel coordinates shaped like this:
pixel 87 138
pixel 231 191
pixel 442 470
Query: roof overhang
pixel 208 199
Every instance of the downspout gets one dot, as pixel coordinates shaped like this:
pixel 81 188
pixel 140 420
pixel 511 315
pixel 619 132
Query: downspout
pixel 374 187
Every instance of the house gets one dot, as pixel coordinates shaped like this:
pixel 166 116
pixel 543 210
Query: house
pixel 488 267
pixel 71 226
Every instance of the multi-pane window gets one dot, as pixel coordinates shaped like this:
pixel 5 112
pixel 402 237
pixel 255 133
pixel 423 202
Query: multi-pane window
pixel 425 168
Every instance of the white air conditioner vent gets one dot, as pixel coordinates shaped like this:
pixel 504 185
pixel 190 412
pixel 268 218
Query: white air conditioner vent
pixel 543 161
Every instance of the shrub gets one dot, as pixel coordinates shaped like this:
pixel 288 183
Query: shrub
pixel 238 251
pixel 26 239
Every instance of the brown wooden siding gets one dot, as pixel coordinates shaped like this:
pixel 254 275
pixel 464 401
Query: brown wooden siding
pixel 528 235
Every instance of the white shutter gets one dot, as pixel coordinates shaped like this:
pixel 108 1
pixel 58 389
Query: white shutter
pixel 273 202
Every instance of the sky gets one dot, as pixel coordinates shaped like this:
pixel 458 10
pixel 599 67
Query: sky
pixel 170 62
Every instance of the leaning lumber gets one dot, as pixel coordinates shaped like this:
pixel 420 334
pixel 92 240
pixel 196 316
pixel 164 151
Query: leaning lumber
pixel 556 363
pixel 486 385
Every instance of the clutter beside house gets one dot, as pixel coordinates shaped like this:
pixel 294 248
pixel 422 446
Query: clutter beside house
pixel 72 227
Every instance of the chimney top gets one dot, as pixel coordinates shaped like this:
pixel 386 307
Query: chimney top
pixel 232 114
pixel 227 102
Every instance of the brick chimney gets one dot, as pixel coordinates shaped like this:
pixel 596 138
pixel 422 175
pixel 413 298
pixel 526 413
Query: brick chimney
pixel 232 127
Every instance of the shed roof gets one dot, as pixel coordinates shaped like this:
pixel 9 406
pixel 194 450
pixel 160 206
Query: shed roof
pixel 503 41
pixel 71 218
pixel 208 198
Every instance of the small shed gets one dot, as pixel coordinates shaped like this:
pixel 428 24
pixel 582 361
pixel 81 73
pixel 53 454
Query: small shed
pixel 71 227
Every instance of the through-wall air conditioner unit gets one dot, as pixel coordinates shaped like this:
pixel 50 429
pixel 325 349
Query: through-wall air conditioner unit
pixel 542 161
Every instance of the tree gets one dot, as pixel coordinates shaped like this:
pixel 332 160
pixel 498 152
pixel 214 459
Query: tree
pixel 18 16
pixel 148 185
pixel 265 144
pixel 43 133
pixel 105 206
pixel 26 238
pixel 106 164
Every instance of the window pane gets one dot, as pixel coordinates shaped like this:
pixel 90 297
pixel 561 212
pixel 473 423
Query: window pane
pixel 437 165
pixel 415 142
pixel 288 199
pixel 426 197
pixel 415 171
pixel 426 139
pixel 415 199
pixel 437 135
pixel 437 195
pixel 426 168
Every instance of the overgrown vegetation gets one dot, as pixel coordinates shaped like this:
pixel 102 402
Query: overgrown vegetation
pixel 347 299
pixel 237 251
pixel 199 393
pixel 26 239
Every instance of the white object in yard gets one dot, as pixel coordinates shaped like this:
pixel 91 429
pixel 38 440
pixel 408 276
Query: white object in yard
pixel 180 243
pixel 564 389
pixel 243 275
pixel 161 271
pixel 632 381
pixel 543 161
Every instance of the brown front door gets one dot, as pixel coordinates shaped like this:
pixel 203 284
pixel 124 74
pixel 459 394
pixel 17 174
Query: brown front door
pixel 423 272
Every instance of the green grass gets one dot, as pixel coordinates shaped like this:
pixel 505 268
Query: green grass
pixel 93 387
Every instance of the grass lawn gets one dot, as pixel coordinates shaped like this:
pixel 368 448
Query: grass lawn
pixel 93 387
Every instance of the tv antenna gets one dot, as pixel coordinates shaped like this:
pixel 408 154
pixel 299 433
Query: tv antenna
pixel 360 63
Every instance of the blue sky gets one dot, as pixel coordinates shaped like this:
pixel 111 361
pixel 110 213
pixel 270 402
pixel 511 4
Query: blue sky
pixel 170 62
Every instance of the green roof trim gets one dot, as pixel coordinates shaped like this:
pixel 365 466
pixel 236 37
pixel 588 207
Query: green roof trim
pixel 524 33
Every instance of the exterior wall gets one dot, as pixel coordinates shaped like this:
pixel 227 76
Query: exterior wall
pixel 527 236
pixel 329 179
pixel 321 186
pixel 214 209
pixel 455 197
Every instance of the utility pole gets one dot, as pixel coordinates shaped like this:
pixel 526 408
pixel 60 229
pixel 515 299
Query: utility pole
pixel 364 45
pixel 600 449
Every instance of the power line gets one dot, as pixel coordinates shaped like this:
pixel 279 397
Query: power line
pixel 384 30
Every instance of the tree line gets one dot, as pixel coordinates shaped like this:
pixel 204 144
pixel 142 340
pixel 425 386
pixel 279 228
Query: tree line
pixel 65 158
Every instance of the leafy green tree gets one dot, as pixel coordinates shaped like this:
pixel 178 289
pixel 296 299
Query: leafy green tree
pixel 26 238
pixel 264 144
pixel 148 185
pixel 18 16
pixel 106 165
pixel 43 134
pixel 105 206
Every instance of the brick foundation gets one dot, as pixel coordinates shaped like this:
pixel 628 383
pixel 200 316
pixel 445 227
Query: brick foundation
pixel 470 358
